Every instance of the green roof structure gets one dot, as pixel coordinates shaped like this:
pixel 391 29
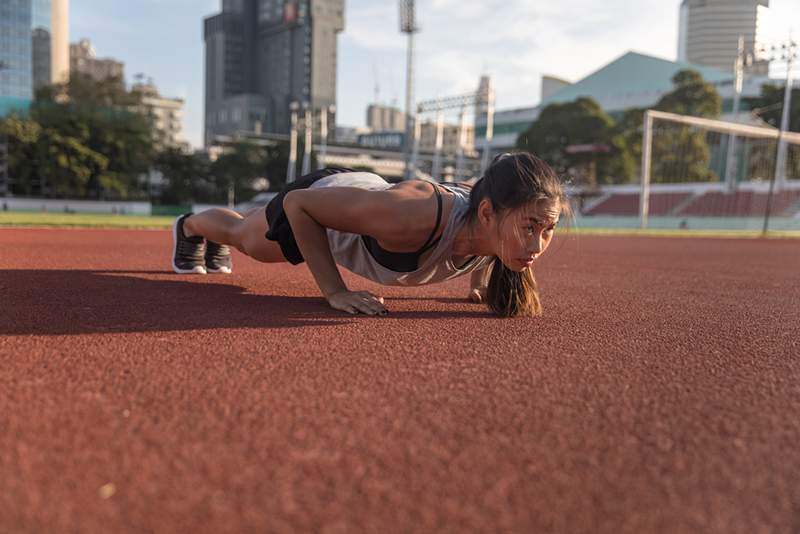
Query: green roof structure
pixel 632 80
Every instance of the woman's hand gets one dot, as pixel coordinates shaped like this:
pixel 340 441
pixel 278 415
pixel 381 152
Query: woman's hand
pixel 354 302
pixel 477 295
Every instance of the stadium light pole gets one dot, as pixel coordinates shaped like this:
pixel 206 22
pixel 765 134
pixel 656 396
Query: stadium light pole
pixel 4 152
pixel 787 51
pixel 308 138
pixel 647 148
pixel 790 54
pixel 323 132
pixel 408 25
pixel 730 164
pixel 290 171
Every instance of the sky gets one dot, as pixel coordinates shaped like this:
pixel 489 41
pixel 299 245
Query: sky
pixel 514 41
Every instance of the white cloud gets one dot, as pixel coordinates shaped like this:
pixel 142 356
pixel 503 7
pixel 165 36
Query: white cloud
pixel 514 41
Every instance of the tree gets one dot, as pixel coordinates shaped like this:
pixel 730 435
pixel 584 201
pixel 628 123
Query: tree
pixel 681 153
pixel 581 122
pixel 46 162
pixel 237 168
pixel 769 106
pixel 187 177
pixel 103 117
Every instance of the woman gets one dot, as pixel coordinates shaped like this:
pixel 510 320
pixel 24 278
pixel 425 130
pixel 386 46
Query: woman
pixel 495 231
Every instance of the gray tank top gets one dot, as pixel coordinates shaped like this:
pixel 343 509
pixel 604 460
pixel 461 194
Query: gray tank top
pixel 350 252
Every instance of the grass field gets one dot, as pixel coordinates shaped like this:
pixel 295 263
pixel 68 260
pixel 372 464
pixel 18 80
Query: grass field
pixel 83 220
pixel 89 220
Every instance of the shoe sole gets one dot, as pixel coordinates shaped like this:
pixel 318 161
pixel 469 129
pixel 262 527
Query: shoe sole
pixel 221 270
pixel 197 269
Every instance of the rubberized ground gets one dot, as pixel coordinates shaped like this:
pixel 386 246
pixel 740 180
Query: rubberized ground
pixel 659 393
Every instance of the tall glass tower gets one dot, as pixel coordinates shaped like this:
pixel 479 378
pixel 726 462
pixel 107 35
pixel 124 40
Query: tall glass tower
pixel 30 54
pixel 16 55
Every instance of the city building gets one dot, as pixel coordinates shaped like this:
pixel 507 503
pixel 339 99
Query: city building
pixel 382 118
pixel 34 37
pixel 83 59
pixel 262 55
pixel 167 114
pixel 709 31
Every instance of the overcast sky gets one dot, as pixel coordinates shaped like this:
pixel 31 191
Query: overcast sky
pixel 514 41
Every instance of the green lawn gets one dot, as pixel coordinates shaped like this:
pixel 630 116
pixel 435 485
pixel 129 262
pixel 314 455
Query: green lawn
pixel 86 220
pixel 680 233
pixel 82 220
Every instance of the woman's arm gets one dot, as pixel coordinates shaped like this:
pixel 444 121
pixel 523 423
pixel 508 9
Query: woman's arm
pixel 345 209
pixel 479 281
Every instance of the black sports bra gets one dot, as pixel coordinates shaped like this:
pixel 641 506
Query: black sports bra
pixel 405 262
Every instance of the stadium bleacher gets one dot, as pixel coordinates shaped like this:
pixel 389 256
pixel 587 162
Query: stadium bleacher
pixel 628 204
pixel 741 204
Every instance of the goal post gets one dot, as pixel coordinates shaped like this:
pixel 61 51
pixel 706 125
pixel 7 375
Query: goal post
pixel 686 149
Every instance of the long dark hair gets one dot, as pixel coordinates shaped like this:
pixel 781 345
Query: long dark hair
pixel 513 181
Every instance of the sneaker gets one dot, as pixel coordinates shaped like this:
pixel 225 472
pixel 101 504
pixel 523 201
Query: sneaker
pixel 218 258
pixel 187 256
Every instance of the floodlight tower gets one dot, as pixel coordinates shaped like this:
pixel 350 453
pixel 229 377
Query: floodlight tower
pixel 408 25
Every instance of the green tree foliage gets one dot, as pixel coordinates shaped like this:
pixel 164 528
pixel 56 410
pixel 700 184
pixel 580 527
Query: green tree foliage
pixel 691 95
pixel 44 161
pixel 577 123
pixel 239 167
pixel 769 106
pixel 187 178
pixel 681 153
pixel 106 118
pixel 83 139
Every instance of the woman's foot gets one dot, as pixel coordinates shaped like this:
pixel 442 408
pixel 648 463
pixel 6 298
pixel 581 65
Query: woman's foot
pixel 218 258
pixel 187 252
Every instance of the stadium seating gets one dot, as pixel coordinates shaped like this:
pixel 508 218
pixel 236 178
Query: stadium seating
pixel 741 204
pixel 628 204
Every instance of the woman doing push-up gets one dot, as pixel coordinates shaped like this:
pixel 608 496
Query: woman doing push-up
pixel 407 234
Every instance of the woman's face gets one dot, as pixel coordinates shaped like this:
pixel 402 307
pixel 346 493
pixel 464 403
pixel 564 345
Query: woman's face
pixel 523 234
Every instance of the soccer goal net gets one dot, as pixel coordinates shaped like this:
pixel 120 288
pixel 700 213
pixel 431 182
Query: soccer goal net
pixel 699 172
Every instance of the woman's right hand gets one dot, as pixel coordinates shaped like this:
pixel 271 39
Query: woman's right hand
pixel 354 302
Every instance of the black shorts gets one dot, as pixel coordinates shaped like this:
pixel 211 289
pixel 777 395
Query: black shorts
pixel 279 228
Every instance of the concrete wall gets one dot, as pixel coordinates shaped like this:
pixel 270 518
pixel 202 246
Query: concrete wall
pixel 74 206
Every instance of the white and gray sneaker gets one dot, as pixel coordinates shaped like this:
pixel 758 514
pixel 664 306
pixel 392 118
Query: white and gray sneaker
pixel 188 252
pixel 218 258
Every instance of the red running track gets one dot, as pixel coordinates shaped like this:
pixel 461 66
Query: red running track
pixel 659 393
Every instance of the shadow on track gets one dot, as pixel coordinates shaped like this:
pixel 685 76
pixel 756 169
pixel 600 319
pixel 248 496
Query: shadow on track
pixel 67 302
pixel 59 302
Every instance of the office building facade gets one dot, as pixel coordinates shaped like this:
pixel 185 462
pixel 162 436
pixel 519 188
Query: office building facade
pixel 262 55
pixel 33 41
pixel 709 31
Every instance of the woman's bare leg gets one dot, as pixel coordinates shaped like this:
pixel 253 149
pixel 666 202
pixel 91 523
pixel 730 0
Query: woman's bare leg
pixel 227 227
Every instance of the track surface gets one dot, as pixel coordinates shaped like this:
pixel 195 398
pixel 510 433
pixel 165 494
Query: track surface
pixel 660 393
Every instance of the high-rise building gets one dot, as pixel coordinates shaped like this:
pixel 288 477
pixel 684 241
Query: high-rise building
pixel 83 59
pixel 33 43
pixel 262 55
pixel 382 118
pixel 709 31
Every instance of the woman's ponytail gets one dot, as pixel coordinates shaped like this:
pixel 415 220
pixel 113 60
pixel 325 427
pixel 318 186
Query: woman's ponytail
pixel 511 293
